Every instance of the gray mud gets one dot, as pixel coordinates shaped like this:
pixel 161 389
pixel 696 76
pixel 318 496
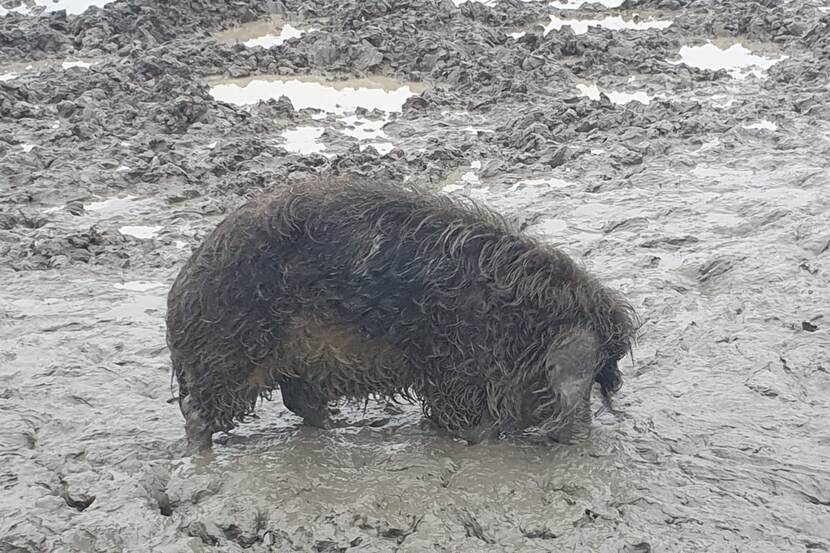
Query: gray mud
pixel 717 232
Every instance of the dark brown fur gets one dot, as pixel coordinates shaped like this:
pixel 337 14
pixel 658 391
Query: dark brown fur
pixel 333 291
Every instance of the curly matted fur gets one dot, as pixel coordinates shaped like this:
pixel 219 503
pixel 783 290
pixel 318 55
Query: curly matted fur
pixel 350 290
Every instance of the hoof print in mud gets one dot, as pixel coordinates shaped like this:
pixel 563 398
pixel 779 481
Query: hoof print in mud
pixel 345 291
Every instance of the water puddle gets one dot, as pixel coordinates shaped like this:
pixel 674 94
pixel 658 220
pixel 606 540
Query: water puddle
pixel 76 63
pixel 140 232
pixel 112 205
pixel 592 91
pixel 363 129
pixel 124 209
pixel 338 97
pixel 736 59
pixel 138 285
pixel 12 71
pixel 615 23
pixel 264 32
pixel 304 140
pixel 36 7
pixel 549 182
pixel 382 148
pixel 575 5
pixel 763 124
pixel 369 132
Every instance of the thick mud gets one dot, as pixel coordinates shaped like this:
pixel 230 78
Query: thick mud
pixel 687 165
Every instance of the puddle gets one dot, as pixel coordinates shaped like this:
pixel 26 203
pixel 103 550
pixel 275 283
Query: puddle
pixel 382 148
pixel 363 129
pixel 111 204
pixel 138 285
pixel 141 232
pixel 368 131
pixel 27 147
pixel 763 124
pixel 616 97
pixel 74 7
pixel 737 60
pixel 579 3
pixel 550 182
pixel 304 140
pixel 517 35
pixel 340 98
pixel 15 70
pixel 76 63
pixel 616 23
pixel 265 33
pixel 311 91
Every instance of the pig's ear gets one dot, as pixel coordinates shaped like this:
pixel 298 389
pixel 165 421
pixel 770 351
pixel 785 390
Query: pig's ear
pixel 572 357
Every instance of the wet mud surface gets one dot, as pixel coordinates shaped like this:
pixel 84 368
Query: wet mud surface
pixel 699 190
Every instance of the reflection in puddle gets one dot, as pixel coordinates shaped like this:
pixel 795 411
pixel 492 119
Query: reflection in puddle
pixel 593 92
pixel 580 26
pixel 7 76
pixel 264 33
pixel 737 60
pixel 763 124
pixel 27 147
pixel 140 232
pixel 304 140
pixel 29 7
pixel 138 285
pixel 317 92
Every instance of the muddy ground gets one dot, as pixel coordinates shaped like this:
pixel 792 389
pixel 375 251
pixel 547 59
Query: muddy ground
pixel 708 206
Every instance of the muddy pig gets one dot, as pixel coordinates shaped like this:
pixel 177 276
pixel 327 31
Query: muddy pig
pixel 346 291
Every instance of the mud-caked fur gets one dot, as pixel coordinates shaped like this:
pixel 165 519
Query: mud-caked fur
pixel 353 290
